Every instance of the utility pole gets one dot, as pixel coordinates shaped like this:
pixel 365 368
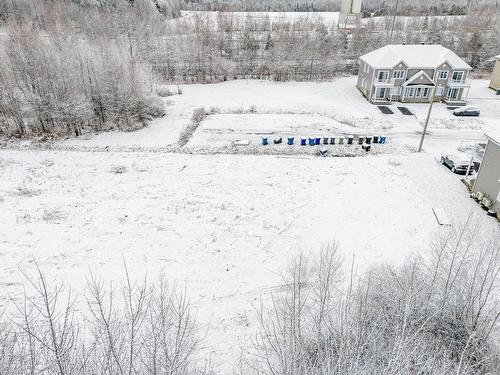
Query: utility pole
pixel 428 118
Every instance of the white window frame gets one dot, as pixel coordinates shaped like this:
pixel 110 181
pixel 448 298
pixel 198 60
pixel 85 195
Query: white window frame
pixel 425 92
pixel 462 76
pixel 439 91
pixel 410 92
pixel 399 74
pixel 440 72
pixel 388 72
pixel 449 92
pixel 418 92
pixel 380 89
pixel 396 91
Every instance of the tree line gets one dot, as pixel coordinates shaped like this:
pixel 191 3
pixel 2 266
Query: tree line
pixel 370 7
pixel 69 67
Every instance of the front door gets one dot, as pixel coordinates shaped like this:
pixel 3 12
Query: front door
pixel 380 93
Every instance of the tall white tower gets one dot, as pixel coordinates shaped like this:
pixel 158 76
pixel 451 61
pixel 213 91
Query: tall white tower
pixel 350 13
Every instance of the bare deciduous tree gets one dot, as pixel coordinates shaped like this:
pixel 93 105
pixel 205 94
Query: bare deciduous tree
pixel 435 314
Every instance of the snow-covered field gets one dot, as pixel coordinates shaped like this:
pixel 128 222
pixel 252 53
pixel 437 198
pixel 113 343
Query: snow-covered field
pixel 224 225
pixel 250 108
pixel 220 129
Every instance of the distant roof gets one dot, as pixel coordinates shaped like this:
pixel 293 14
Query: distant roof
pixel 414 55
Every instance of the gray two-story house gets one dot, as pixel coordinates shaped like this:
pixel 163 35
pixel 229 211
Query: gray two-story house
pixel 409 73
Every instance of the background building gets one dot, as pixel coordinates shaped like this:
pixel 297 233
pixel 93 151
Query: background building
pixel 495 76
pixel 350 13
pixel 408 73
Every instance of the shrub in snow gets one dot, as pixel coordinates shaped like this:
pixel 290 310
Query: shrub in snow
pixel 465 148
pixel 197 117
pixel 27 191
pixel 153 106
pixel 118 169
pixel 164 91
pixel 52 215
pixel 394 162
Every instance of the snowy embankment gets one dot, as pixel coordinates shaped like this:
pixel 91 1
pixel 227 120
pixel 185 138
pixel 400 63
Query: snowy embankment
pixel 222 225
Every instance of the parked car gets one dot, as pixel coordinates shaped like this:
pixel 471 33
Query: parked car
pixel 457 164
pixel 467 111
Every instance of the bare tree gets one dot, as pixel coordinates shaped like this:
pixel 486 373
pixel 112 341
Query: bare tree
pixel 435 314
pixel 137 328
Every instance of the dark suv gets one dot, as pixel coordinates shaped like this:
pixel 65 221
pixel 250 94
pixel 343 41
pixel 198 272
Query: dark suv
pixel 456 164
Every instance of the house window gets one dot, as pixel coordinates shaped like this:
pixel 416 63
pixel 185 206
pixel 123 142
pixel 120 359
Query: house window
pixel 442 74
pixel 439 91
pixel 396 91
pixel 383 76
pixel 418 92
pixel 410 92
pixel 398 74
pixel 457 76
pixel 425 92
pixel 453 93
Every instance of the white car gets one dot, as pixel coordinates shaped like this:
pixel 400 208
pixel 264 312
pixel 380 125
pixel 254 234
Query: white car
pixel 467 111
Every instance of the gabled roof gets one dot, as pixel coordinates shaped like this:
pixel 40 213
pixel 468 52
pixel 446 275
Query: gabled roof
pixel 420 74
pixel 420 56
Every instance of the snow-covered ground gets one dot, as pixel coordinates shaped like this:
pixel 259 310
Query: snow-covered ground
pixel 223 225
pixel 221 129
pixel 252 108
